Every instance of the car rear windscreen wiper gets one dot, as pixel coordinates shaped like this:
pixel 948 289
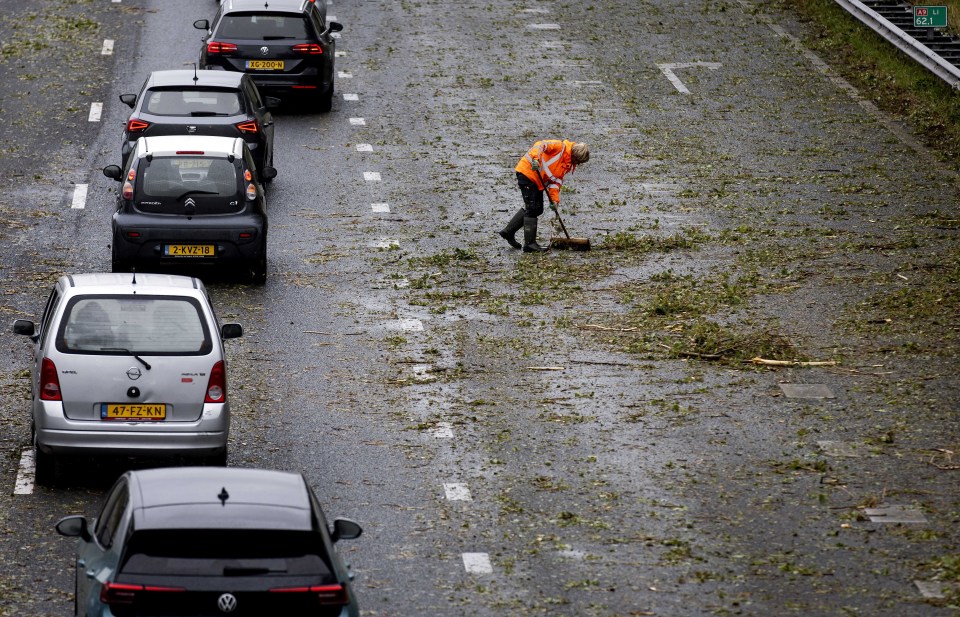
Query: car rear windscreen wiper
pixel 181 196
pixel 239 571
pixel 196 114
pixel 129 353
pixel 276 37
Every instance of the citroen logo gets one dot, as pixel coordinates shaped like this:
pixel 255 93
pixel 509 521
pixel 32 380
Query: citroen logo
pixel 133 373
pixel 189 203
pixel 191 129
pixel 227 603
pixel 264 50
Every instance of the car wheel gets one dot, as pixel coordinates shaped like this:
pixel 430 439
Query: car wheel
pixel 265 165
pixel 217 460
pixel 45 472
pixel 258 273
pixel 326 100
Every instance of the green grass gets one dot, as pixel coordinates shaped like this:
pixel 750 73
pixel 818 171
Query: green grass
pixel 884 75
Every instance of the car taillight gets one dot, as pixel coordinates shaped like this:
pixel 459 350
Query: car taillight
pixel 247 175
pixel 216 47
pixel 128 190
pixel 136 125
pixel 217 386
pixel 326 594
pixel 250 127
pixel 49 382
pixel 251 192
pixel 122 593
pixel 311 49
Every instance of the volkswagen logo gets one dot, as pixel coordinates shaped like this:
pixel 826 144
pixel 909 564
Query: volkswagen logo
pixel 134 373
pixel 264 50
pixel 227 603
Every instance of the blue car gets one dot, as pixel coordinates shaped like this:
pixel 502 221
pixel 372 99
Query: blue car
pixel 211 541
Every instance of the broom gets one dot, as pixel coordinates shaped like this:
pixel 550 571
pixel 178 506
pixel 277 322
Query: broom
pixel 568 243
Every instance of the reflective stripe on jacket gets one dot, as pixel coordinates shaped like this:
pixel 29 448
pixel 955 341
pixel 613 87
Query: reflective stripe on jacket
pixel 554 157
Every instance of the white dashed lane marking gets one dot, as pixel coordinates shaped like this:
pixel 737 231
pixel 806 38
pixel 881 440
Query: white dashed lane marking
pixel 372 176
pixel 477 563
pixel 79 197
pixel 443 430
pixel 344 75
pixel 339 54
pixel 364 148
pixel 456 491
pixel 358 122
pixel 380 208
pixel 331 18
pixel 26 474
pixel 349 96
pixel 107 49
pixel 96 110
pixel 544 26
pixel 668 68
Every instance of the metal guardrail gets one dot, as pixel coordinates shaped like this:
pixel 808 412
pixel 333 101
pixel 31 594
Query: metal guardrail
pixel 927 58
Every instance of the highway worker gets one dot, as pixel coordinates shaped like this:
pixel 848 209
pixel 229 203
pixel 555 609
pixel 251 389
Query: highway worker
pixel 541 169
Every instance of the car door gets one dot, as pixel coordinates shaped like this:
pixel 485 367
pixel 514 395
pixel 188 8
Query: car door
pixel 43 335
pixel 97 558
pixel 264 117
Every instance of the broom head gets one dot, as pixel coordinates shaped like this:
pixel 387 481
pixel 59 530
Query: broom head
pixel 570 244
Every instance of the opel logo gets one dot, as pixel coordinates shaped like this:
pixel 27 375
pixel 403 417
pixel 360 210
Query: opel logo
pixel 227 603
pixel 133 373
pixel 264 50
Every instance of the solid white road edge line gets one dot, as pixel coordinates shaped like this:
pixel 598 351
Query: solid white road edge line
pixel 26 475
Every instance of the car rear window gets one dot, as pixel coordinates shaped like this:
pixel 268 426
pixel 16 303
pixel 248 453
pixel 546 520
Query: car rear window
pixel 195 102
pixel 263 27
pixel 135 324
pixel 166 183
pixel 225 552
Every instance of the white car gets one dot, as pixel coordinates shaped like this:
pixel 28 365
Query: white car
pixel 128 364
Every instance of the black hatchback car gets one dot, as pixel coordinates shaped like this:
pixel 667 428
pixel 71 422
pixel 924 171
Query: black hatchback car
pixel 201 103
pixel 190 201
pixel 285 45
pixel 208 542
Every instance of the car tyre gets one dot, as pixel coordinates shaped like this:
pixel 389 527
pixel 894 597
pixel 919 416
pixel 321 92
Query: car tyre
pixel 258 273
pixel 266 164
pixel 217 460
pixel 45 472
pixel 326 100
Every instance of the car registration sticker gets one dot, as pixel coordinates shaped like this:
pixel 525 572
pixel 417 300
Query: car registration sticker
pixel 188 250
pixel 265 65
pixel 133 411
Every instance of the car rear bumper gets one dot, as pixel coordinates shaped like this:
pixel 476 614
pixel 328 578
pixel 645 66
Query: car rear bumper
pixel 150 247
pixel 58 435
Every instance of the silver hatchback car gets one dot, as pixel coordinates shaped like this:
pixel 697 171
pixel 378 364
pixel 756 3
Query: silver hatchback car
pixel 128 364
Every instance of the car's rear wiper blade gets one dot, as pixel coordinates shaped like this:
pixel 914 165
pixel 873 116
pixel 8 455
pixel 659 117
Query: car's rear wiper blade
pixel 197 193
pixel 129 353
pixel 206 113
pixel 238 571
pixel 276 37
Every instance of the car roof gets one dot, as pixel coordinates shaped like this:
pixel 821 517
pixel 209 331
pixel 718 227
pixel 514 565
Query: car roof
pixel 190 498
pixel 223 79
pixel 276 6
pixel 170 145
pixel 112 283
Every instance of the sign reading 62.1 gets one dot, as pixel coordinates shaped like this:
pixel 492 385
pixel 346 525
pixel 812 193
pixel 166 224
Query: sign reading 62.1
pixel 930 16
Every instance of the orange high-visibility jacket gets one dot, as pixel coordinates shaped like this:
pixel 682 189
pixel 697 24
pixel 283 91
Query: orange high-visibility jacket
pixel 554 157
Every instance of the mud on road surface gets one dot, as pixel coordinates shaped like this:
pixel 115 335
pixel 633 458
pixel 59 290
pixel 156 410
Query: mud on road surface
pixel 585 433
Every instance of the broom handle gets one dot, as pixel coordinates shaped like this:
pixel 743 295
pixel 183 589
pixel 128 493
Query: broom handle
pixel 556 211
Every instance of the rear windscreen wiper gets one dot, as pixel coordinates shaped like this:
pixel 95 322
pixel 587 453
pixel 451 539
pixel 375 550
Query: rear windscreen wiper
pixel 129 353
pixel 276 37
pixel 238 571
pixel 181 196
pixel 206 113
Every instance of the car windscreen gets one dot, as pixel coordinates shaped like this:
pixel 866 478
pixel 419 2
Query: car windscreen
pixel 193 102
pixel 134 324
pixel 225 552
pixel 188 185
pixel 263 27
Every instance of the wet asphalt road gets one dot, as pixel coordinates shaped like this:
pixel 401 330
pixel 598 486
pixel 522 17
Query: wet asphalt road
pixel 400 356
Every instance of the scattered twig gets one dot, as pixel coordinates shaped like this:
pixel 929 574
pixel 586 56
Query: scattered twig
pixel 545 368
pixel 603 363
pixel 591 326
pixel 765 362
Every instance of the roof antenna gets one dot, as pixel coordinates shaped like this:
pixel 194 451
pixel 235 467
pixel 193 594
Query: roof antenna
pixel 134 270
pixel 223 496
pixel 195 78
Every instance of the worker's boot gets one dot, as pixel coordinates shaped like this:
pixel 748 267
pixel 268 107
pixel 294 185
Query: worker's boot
pixel 530 236
pixel 509 233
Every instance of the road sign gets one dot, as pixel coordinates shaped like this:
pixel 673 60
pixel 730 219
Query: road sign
pixel 930 17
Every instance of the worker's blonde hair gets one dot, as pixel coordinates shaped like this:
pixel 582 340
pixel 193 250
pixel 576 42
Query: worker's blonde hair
pixel 580 153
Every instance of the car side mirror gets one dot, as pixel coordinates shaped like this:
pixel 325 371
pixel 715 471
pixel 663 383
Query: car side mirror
pixel 334 26
pixel 128 99
pixel 75 526
pixel 201 24
pixel 25 327
pixel 113 171
pixel 345 529
pixel 268 173
pixel 231 330
pixel 271 102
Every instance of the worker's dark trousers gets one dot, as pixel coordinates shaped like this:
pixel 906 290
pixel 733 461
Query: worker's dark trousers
pixel 532 196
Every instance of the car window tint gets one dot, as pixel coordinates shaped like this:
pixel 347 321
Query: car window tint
pixel 143 325
pixel 192 102
pixel 262 27
pixel 165 184
pixel 109 519
pixel 226 552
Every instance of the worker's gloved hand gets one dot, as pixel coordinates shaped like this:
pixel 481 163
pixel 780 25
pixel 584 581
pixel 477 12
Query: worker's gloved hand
pixel 553 206
pixel 535 164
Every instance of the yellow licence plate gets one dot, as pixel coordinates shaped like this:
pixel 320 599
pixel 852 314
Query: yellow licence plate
pixel 265 65
pixel 188 250
pixel 128 411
